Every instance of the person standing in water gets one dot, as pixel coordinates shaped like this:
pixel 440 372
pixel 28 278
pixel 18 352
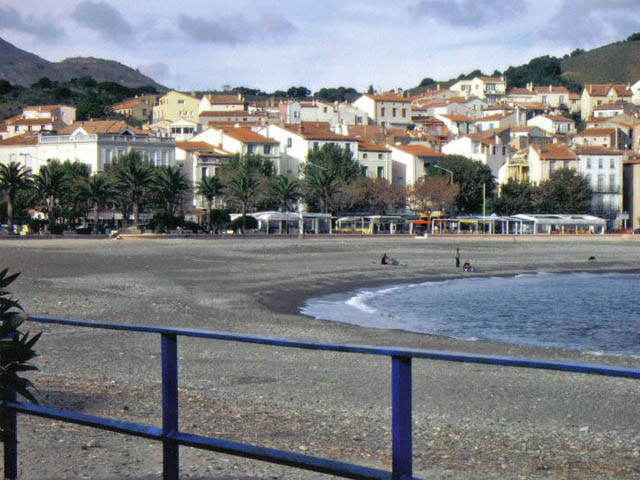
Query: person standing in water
pixel 457 257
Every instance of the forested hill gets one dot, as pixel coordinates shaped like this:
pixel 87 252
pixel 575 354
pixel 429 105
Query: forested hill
pixel 615 63
pixel 19 67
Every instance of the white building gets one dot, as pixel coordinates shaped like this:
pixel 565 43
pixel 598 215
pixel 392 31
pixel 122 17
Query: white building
pixel 297 140
pixel 602 167
pixel 490 89
pixel 410 162
pixel 485 150
pixel 553 124
pixel 376 160
pixel 95 143
pixel 388 110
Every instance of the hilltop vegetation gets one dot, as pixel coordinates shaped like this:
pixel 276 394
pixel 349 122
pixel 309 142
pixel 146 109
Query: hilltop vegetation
pixel 615 63
pixel 87 95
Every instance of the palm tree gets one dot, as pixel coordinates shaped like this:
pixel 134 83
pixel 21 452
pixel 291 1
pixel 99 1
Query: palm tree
pixel 284 190
pixel 134 176
pixel 172 185
pixel 209 188
pixel 323 185
pixel 243 188
pixel 51 183
pixel 72 200
pixel 100 192
pixel 13 178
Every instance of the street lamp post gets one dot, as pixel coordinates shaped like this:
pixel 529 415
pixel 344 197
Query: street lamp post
pixel 435 165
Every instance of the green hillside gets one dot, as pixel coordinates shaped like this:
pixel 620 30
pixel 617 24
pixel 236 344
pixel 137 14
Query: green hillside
pixel 615 63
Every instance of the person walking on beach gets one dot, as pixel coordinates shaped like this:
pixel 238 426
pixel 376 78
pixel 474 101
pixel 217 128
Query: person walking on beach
pixel 457 257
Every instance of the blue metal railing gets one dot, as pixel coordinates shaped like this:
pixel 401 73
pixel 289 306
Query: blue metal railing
pixel 172 438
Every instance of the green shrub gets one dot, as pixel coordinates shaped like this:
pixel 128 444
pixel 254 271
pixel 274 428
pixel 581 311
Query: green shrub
pixel 219 219
pixel 16 348
pixel 250 223
pixel 57 228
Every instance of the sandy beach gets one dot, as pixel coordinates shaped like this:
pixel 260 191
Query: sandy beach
pixel 470 421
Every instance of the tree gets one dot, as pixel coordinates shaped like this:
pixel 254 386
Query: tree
pixel 322 185
pixel 209 188
pixel 16 348
pixel 100 192
pixel 565 192
pixel 433 193
pixel 171 185
pixel 470 176
pixel 72 202
pixel 284 190
pixel 134 178
pixel 51 183
pixel 335 159
pixel 515 197
pixel 13 178
pixel 243 188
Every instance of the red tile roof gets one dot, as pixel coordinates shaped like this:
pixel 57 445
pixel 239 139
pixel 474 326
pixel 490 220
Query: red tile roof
pixel 102 126
pixel 554 151
pixel 246 135
pixel 388 97
pixel 24 139
pixel 596 132
pixel 595 150
pixel 418 150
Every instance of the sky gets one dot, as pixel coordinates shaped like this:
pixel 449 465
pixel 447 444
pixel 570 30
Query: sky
pixel 273 45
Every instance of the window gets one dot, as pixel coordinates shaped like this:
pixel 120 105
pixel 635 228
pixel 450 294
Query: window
pixel 289 142
pixel 364 156
pixel 382 110
pixel 180 102
pixel 316 145
pixel 612 182
pixel 380 172
pixel 612 163
pixel 393 112
pixel 600 182
pixel 493 150
pixel 267 149
pixel 379 156
pixel 251 148
pixel 600 161
pixel 504 150
pixel 203 172
pixel 588 179
pixel 404 113
pixel 364 170
pixel 588 162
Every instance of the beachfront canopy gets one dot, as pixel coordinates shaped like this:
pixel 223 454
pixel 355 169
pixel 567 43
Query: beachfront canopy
pixel 521 224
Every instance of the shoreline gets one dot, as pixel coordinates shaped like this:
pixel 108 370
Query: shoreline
pixel 470 421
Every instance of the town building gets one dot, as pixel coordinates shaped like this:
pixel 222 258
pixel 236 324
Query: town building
pixel 594 95
pixel 139 107
pixel 490 89
pixel 410 162
pixel 388 110
pixel 174 105
pixel 96 143
pixel 602 167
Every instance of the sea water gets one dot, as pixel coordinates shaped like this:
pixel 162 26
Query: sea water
pixel 590 312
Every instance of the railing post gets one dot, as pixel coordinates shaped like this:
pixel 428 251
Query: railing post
pixel 10 436
pixel 402 464
pixel 170 451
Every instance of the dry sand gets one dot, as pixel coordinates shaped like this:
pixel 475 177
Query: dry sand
pixel 470 421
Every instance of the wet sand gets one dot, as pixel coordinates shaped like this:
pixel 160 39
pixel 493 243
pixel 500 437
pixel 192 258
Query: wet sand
pixel 469 421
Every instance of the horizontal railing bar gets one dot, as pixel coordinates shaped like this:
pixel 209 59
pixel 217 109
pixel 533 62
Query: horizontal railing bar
pixel 271 455
pixel 116 426
pixel 586 368
pixel 281 457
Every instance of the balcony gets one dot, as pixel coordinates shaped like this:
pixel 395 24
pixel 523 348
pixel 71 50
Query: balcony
pixel 607 189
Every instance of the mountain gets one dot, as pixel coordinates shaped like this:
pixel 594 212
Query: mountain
pixel 19 67
pixel 614 63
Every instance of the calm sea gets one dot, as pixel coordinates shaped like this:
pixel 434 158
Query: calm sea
pixel 597 313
